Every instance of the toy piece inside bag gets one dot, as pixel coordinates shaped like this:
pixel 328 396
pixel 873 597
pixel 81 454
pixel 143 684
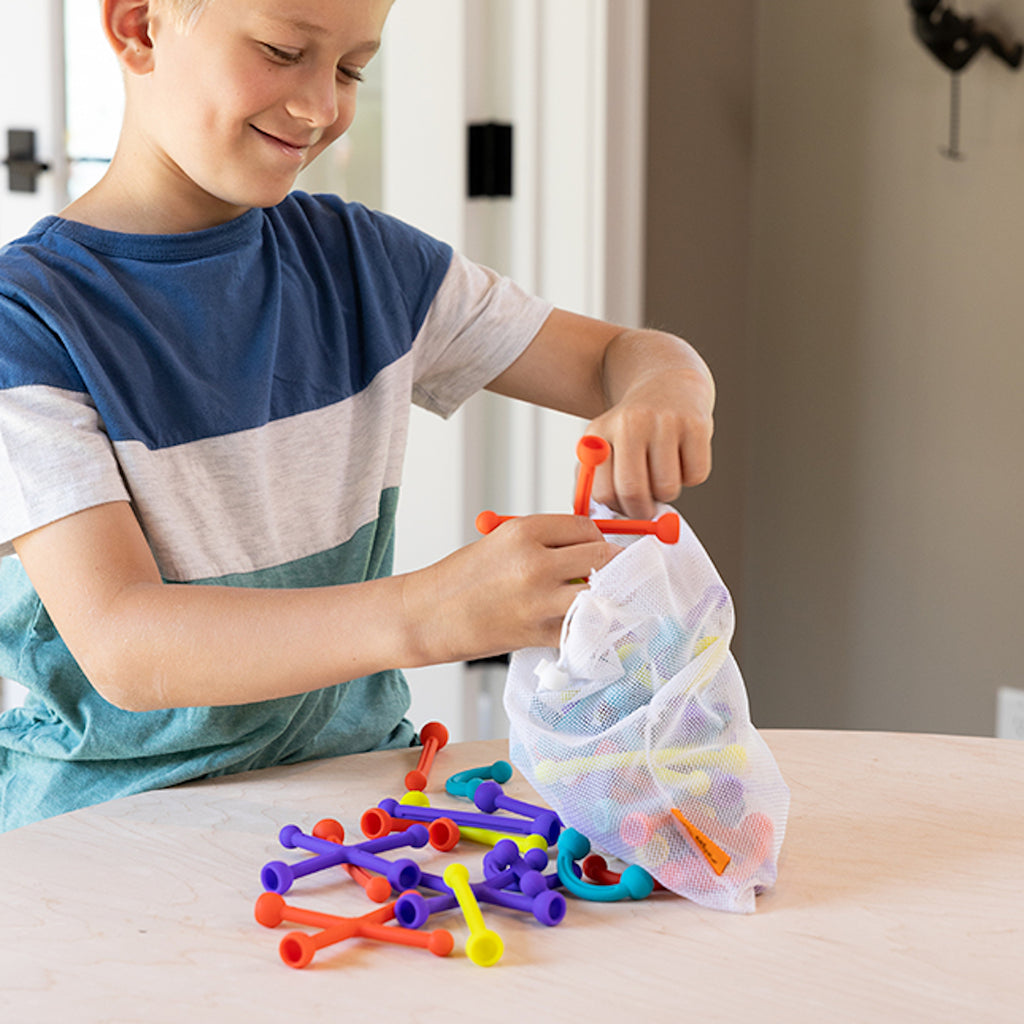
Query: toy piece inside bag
pixel 637 729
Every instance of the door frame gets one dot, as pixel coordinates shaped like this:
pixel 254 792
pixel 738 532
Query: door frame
pixel 32 96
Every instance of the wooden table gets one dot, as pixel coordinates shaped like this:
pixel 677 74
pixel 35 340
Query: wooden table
pixel 900 898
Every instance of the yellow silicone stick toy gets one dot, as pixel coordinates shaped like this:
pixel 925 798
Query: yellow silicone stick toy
pixel 483 947
pixel 732 757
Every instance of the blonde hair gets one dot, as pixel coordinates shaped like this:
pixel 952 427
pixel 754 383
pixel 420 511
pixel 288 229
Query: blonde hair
pixel 185 12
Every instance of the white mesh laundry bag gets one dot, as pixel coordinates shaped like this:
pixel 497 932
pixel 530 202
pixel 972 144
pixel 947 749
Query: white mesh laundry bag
pixel 637 729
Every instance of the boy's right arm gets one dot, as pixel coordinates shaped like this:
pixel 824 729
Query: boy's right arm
pixel 145 644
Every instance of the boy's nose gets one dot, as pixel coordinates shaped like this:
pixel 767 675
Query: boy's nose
pixel 316 100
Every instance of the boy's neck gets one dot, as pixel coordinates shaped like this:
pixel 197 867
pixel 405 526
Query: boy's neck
pixel 123 202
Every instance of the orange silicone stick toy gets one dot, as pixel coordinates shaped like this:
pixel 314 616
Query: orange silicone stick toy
pixel 297 948
pixel 591 451
pixel 665 527
pixel 434 736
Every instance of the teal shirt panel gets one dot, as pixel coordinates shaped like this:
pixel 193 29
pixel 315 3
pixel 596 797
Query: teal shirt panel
pixel 68 748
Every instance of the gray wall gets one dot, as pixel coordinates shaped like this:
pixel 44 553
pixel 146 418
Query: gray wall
pixel 860 299
pixel 699 174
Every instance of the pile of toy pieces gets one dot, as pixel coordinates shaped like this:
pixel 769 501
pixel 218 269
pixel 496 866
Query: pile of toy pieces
pixel 515 870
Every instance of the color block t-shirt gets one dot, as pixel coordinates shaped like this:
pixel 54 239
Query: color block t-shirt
pixel 247 389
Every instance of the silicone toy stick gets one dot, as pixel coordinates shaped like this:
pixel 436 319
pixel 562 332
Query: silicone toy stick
pixel 591 451
pixel 488 521
pixel 483 947
pixel 329 828
pixel 434 736
pixel 413 908
pixel 595 868
pixel 402 873
pixel 277 876
pixel 536 898
pixel 465 782
pixel 377 887
pixel 681 758
pixel 292 836
pixel 666 527
pixel 500 823
pixel 443 832
pixel 490 797
pixel 546 905
pixel 297 949
pixel 507 856
pixel 527 870
pixel 635 883
pixel 488 837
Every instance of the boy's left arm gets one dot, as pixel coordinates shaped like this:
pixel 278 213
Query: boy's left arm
pixel 648 393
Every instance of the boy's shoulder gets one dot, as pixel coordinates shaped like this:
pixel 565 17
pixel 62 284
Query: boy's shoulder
pixel 324 213
pixel 308 220
pixel 37 239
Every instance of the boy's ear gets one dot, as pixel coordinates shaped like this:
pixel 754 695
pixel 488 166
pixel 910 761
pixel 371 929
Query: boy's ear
pixel 126 24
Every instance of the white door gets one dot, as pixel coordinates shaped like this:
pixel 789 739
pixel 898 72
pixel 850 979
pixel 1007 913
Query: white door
pixel 31 100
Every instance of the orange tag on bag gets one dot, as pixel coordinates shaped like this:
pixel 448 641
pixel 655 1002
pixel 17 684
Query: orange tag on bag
pixel 715 856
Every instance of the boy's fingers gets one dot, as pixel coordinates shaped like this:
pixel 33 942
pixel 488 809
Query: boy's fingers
pixel 578 562
pixel 665 467
pixel 555 530
pixel 696 456
pixel 631 479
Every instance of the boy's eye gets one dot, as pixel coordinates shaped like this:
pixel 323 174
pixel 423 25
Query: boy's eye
pixel 281 56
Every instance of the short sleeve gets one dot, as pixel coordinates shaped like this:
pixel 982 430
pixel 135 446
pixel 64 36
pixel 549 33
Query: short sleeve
pixel 478 325
pixel 55 458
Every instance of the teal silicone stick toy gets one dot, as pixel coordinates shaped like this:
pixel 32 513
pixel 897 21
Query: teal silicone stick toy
pixel 635 883
pixel 464 783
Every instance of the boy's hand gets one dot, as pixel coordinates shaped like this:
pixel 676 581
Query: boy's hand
pixel 648 393
pixel 660 432
pixel 510 589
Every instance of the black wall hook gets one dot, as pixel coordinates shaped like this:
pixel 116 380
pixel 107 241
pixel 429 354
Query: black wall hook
pixel 955 40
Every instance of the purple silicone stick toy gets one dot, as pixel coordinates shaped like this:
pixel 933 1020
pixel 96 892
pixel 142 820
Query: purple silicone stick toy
pixel 494 822
pixel 489 796
pixel 402 873
pixel 547 906
pixel 413 908
pixel 277 876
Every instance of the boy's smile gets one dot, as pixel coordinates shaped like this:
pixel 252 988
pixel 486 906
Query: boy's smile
pixel 290 149
pixel 221 116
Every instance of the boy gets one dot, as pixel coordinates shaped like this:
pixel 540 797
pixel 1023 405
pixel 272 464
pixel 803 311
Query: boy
pixel 204 391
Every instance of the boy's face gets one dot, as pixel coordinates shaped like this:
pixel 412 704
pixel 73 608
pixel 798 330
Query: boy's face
pixel 238 104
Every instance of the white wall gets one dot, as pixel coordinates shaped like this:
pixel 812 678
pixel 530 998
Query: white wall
pixel 884 570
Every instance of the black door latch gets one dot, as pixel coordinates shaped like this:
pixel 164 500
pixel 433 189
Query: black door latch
pixel 22 166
